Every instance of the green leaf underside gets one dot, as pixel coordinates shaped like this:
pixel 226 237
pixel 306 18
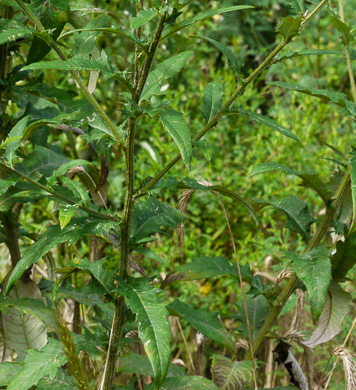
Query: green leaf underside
pixel 177 128
pixel 206 323
pixel 212 100
pixel 228 374
pixel 162 72
pixel 329 325
pixel 205 267
pixel 72 64
pixel 310 180
pixel 257 309
pixel 149 216
pixel 153 325
pixel 39 364
pixel 144 16
pixel 299 218
pixel 233 61
pixel 140 365
pixel 338 98
pixel 53 236
pixel 272 124
pixel 314 270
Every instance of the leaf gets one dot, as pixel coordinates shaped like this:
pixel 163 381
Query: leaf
pixel 212 100
pixel 17 131
pixel 299 219
pixel 162 72
pixel 257 309
pixel 174 123
pixel 353 185
pixel 206 323
pixel 30 306
pixel 202 16
pixel 11 31
pixel 72 64
pixel 289 27
pixel 228 374
pixel 144 16
pixel 42 160
pixel 298 5
pixel 233 61
pixel 310 180
pixel 149 216
pixel 23 331
pixel 335 309
pixel 62 381
pixel 205 267
pixel 39 364
pixel 153 325
pixel 53 236
pixel 314 270
pixel 140 365
pixel 343 29
pixel 66 213
pixel 334 97
pixel 344 258
pixel 8 370
pixel 272 124
pixel 308 52
pixel 187 382
pixel 64 168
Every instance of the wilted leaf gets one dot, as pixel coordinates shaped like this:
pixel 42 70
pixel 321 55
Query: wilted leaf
pixel 174 123
pixel 162 72
pixel 212 100
pixel 23 331
pixel 39 364
pixel 205 267
pixel 314 270
pixel 228 374
pixel 329 325
pixel 206 323
pixel 153 325
pixel 149 216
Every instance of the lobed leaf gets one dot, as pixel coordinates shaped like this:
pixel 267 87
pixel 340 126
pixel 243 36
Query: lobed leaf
pixel 39 364
pixel 314 270
pixel 289 27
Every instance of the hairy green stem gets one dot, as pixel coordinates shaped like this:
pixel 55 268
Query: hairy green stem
pixel 58 196
pixel 125 226
pixel 238 91
pixel 313 243
pixel 50 41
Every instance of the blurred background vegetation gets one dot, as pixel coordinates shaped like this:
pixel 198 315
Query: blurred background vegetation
pixel 234 147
